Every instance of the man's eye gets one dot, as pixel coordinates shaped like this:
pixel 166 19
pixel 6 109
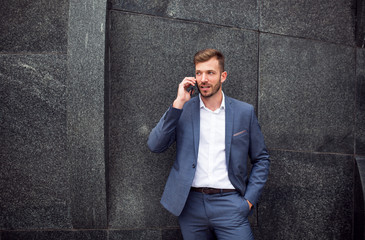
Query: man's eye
pixel 210 72
pixel 198 73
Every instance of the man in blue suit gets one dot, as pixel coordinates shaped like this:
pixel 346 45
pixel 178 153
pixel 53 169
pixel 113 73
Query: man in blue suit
pixel 209 186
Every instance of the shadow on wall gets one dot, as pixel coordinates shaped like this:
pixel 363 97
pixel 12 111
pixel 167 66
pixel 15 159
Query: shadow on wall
pixel 360 23
pixel 359 211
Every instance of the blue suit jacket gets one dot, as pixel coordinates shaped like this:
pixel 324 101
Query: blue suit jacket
pixel 243 138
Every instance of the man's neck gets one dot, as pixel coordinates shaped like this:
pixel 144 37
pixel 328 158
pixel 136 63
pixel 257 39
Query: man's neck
pixel 213 102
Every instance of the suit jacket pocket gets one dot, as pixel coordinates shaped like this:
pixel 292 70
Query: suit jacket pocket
pixel 243 132
pixel 240 139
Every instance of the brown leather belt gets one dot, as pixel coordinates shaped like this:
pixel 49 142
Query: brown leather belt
pixel 211 190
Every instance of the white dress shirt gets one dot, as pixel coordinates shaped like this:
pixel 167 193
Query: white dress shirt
pixel 211 169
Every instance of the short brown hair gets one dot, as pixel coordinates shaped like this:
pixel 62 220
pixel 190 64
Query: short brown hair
pixel 206 54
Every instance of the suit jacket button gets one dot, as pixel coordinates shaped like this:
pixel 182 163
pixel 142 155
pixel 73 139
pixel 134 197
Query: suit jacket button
pixel 193 165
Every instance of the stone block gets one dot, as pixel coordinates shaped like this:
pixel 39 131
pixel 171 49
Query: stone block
pixel 360 103
pixel 331 21
pixel 85 113
pixel 38 26
pixel 54 235
pixel 34 174
pixel 307 196
pixel 171 234
pixel 307 93
pixel 139 234
pixel 242 14
pixel 149 57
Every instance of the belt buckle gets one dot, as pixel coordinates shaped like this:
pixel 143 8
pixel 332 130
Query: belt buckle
pixel 203 190
pixel 207 190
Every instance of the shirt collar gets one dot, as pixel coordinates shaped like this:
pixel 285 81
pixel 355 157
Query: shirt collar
pixel 223 104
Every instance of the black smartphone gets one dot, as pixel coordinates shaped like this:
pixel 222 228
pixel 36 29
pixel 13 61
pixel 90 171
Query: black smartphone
pixel 193 89
pixel 197 88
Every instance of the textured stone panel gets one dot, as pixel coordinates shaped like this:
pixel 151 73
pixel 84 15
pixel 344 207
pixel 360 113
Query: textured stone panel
pixel 171 234
pixel 360 103
pixel 307 196
pixel 139 234
pixel 34 173
pixel 307 93
pixel 149 58
pixel 33 26
pixel 243 14
pixel 85 110
pixel 54 235
pixel 327 20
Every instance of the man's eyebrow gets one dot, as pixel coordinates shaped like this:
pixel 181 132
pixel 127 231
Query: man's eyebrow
pixel 209 70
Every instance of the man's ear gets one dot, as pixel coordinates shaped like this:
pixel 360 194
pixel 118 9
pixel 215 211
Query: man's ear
pixel 223 76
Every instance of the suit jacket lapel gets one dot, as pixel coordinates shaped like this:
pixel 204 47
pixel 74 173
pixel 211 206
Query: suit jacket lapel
pixel 195 117
pixel 229 127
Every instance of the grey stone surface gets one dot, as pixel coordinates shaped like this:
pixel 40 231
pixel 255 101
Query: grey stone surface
pixel 171 234
pixel 360 103
pixel 307 196
pixel 138 234
pixel 306 96
pixel 332 21
pixel 149 58
pixel 54 235
pixel 34 173
pixel 85 113
pixel 33 26
pixel 243 14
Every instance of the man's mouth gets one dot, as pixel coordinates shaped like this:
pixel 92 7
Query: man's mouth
pixel 204 87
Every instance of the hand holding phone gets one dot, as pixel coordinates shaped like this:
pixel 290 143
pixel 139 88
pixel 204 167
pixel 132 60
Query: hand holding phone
pixel 184 92
pixel 192 89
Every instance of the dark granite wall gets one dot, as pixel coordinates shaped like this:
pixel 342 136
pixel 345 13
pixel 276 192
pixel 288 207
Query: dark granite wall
pixel 80 94
pixel 296 62
pixel 35 180
pixel 52 151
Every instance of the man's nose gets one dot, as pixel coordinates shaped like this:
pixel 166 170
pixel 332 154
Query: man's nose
pixel 204 77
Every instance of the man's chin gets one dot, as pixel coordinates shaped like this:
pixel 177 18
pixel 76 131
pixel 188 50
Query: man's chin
pixel 206 95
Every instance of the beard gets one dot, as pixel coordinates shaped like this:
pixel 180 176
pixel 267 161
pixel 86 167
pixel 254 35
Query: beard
pixel 215 88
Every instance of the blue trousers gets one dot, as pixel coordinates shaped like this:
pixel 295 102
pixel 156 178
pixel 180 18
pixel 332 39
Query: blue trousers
pixel 223 216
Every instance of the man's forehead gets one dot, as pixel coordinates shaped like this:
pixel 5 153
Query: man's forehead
pixel 211 64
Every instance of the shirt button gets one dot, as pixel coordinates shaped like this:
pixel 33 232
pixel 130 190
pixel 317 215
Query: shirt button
pixel 193 165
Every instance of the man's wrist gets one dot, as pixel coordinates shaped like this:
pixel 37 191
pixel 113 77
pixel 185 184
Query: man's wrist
pixel 178 104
